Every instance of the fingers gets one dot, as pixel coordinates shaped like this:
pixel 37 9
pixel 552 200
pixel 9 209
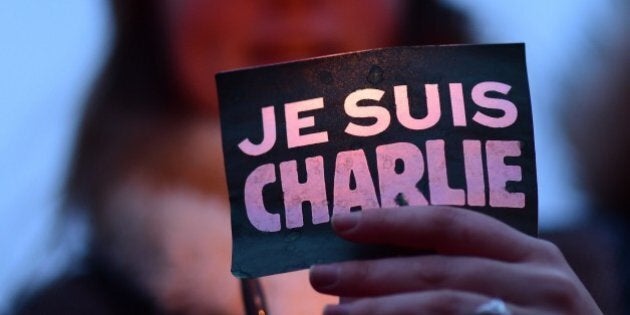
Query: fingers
pixel 445 230
pixel 443 302
pixel 477 257
pixel 432 272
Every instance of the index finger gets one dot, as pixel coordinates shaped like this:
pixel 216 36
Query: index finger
pixel 445 230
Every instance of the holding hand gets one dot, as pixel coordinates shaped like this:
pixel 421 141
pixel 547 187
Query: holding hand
pixel 479 262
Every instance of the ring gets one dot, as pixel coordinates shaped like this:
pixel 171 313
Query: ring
pixel 493 307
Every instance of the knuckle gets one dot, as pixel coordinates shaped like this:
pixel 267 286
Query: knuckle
pixel 449 224
pixel 445 218
pixel 444 302
pixel 562 288
pixel 548 252
pixel 355 273
pixel 367 307
pixel 364 278
pixel 364 275
pixel 430 273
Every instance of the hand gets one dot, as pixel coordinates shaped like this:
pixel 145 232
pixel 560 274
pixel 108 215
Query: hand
pixel 476 258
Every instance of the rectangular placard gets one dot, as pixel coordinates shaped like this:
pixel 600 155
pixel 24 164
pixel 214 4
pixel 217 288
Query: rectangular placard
pixel 432 125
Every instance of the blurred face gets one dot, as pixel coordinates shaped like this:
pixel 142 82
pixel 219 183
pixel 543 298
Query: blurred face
pixel 172 233
pixel 208 36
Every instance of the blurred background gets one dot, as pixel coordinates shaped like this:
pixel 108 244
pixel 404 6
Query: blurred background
pixel 50 52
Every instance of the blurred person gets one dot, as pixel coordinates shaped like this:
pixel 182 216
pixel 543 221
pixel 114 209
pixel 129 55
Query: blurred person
pixel 147 172
pixel 147 168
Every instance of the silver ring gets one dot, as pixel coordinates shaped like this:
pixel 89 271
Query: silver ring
pixel 493 307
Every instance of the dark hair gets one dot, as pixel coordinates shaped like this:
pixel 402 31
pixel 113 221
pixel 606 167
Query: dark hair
pixel 134 94
pixel 433 23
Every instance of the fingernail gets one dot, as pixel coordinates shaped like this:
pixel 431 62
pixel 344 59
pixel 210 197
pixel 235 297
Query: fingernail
pixel 324 276
pixel 336 310
pixel 342 222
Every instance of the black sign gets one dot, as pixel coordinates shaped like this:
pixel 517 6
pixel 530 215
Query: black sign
pixel 435 125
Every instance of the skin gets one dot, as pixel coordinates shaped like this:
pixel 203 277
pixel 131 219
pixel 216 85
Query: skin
pixel 207 37
pixel 477 258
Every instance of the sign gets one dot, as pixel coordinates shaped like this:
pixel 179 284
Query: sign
pixel 434 125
